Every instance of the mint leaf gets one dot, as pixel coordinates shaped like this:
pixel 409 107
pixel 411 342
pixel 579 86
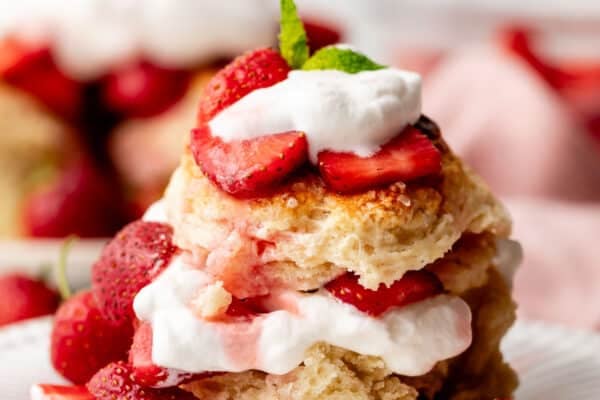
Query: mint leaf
pixel 292 38
pixel 341 59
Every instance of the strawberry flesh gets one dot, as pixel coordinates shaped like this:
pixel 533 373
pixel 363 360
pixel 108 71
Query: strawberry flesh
pixel 409 156
pixel 412 287
pixel 137 255
pixel 115 382
pixel 248 168
pixel 22 297
pixel 254 70
pixel 59 392
pixel 82 341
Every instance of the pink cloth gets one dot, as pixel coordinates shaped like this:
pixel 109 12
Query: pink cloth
pixel 517 132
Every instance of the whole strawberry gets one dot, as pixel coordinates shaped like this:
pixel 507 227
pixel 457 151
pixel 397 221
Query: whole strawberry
pixel 114 382
pixel 22 297
pixel 137 254
pixel 82 341
pixel 254 70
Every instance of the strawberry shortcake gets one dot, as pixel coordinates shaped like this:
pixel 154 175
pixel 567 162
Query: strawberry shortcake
pixel 319 240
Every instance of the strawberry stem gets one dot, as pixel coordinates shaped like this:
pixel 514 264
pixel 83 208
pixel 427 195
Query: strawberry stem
pixel 61 268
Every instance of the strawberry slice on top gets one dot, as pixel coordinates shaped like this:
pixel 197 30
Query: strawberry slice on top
pixel 409 156
pixel 247 168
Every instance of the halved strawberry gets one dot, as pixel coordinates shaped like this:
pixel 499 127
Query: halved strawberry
pixel 412 287
pixel 247 168
pixel 137 254
pixel 409 156
pixel 114 382
pixel 254 70
pixel 59 392
pixel 82 341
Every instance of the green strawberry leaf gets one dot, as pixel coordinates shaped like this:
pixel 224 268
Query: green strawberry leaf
pixel 293 43
pixel 341 59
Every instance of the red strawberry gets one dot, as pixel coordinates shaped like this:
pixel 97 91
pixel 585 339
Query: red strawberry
pixel 31 68
pixel 320 34
pixel 137 254
pixel 254 70
pixel 83 341
pixel 115 382
pixel 57 392
pixel 414 286
pixel 22 298
pixel 248 168
pixel 148 374
pixel 245 308
pixel 143 89
pixel 81 201
pixel 409 156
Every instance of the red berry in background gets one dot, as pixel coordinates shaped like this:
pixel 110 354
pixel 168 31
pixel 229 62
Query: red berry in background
pixel 82 341
pixel 59 392
pixel 136 255
pixel 247 168
pixel 320 34
pixel 143 89
pixel 22 297
pixel 80 201
pixel 412 287
pixel 254 70
pixel 409 156
pixel 115 382
pixel 32 69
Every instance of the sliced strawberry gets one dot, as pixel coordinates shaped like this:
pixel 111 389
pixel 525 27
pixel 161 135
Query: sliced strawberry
pixel 114 382
pixel 32 68
pixel 245 308
pixel 137 254
pixel 143 89
pixel 409 156
pixel 254 70
pixel 22 297
pixel 248 168
pixel 320 34
pixel 59 392
pixel 412 287
pixel 82 341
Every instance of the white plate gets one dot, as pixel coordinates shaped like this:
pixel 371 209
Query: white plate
pixel 553 363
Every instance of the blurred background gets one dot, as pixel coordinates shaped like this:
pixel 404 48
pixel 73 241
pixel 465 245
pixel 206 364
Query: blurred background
pixel 96 101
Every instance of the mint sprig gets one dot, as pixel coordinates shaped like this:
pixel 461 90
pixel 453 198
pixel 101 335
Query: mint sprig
pixel 293 43
pixel 340 59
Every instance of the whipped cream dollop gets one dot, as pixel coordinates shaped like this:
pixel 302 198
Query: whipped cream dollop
pixel 338 111
pixel 411 339
pixel 509 255
pixel 89 37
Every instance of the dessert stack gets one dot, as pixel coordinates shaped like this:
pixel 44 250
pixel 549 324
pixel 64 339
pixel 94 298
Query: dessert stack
pixel 319 240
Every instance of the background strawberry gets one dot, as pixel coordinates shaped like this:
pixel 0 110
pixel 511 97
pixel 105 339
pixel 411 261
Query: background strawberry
pixel 247 168
pixel 58 392
pixel 409 156
pixel 114 382
pixel 136 255
pixel 22 297
pixel 82 341
pixel 254 70
pixel 81 200
pixel 144 89
pixel 320 34
pixel 414 286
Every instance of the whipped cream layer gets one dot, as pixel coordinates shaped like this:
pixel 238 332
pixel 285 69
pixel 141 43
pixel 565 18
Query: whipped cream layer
pixel 90 37
pixel 411 339
pixel 338 111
